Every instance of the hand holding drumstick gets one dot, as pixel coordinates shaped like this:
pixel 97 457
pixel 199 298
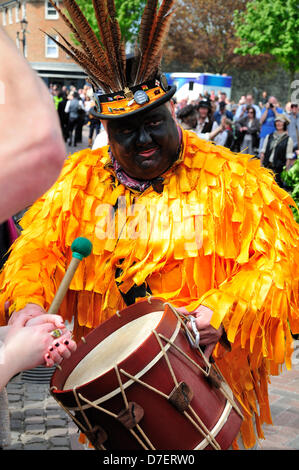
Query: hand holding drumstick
pixel 55 343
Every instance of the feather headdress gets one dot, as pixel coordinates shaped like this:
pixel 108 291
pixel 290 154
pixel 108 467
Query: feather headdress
pixel 121 85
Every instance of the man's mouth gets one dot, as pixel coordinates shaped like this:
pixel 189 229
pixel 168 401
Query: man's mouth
pixel 148 152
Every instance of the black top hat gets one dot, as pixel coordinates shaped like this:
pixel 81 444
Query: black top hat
pixel 205 103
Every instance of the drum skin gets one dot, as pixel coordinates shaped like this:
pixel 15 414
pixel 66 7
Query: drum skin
pixel 165 426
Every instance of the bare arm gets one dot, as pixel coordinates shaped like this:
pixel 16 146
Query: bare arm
pixel 32 149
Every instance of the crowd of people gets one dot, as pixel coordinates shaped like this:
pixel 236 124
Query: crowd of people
pixel 264 130
pixel 75 109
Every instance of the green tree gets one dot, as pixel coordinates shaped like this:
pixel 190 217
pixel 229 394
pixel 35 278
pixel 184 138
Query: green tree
pixel 202 38
pixel 129 14
pixel 270 28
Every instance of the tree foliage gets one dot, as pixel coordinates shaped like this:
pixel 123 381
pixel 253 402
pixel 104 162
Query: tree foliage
pixel 202 37
pixel 270 28
pixel 129 13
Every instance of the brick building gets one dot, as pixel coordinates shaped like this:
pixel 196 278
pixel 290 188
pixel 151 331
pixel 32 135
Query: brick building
pixel 44 56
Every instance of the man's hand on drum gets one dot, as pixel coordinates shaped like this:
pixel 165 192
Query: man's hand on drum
pixel 209 336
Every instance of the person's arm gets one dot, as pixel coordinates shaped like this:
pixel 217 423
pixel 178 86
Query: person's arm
pixel 25 347
pixel 32 149
pixel 3 332
pixel 215 131
pixel 67 107
pixel 264 114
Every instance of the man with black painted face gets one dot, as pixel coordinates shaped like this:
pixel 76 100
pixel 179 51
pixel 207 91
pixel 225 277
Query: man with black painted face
pixel 147 144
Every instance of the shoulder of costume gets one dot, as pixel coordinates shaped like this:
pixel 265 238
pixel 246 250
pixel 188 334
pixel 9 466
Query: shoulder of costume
pixel 222 168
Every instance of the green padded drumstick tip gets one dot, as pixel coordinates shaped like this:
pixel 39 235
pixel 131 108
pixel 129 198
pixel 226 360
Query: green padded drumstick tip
pixel 81 248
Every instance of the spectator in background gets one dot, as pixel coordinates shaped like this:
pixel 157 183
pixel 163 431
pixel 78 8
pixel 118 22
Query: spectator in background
pixel 205 120
pixel 277 150
pixel 242 108
pixel 188 117
pixel 264 99
pixel 293 127
pixel 222 111
pixel 249 128
pixel 73 108
pixel 225 137
pixel 63 117
pixel 57 97
pixel 267 120
pixel 88 104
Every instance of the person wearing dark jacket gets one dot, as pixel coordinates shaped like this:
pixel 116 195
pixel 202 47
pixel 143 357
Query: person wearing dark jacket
pixel 277 150
pixel 249 128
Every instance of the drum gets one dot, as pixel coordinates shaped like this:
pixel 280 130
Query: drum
pixel 139 381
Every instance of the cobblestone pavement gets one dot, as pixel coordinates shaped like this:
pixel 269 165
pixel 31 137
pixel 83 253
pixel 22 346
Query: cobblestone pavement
pixel 36 420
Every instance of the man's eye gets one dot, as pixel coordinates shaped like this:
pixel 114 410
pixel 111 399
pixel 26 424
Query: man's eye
pixel 126 131
pixel 154 123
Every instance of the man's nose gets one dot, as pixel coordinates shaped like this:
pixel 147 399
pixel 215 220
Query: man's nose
pixel 144 137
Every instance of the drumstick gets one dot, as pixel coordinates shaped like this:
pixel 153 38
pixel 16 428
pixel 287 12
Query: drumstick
pixel 81 248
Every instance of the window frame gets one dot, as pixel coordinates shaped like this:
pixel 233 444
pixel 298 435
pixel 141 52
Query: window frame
pixel 49 16
pixel 54 45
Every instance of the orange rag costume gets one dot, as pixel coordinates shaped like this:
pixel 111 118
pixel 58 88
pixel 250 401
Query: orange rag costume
pixel 221 234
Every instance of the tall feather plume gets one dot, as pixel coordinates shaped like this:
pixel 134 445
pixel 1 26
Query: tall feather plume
pixel 101 12
pixel 83 32
pixel 155 57
pixel 105 60
pixel 118 45
pixel 73 56
pixel 70 25
pixel 85 61
pixel 151 57
pixel 146 25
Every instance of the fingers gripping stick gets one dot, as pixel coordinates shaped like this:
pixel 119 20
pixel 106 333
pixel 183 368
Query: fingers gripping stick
pixel 81 248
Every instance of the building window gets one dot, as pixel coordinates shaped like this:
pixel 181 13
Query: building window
pixel 17 13
pixel 10 16
pixel 52 50
pixel 3 17
pixel 51 13
pixel 23 10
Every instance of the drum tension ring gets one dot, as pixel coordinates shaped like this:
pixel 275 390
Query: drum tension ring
pixel 131 416
pixel 181 397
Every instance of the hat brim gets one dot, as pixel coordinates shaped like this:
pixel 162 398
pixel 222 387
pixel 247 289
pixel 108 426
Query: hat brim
pixel 143 108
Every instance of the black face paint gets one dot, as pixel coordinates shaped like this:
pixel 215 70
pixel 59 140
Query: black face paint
pixel 145 145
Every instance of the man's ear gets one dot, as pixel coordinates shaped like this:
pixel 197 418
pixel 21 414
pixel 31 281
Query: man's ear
pixel 171 107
